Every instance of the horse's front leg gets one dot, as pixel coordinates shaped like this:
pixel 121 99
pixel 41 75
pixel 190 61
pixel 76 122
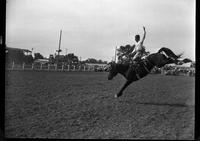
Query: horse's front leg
pixel 128 82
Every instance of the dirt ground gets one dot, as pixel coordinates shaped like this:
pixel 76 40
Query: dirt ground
pixel 73 105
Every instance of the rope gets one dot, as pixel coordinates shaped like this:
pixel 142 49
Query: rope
pixel 149 62
pixel 146 69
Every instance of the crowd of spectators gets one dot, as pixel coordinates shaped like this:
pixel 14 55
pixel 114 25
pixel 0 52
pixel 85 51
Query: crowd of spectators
pixel 175 70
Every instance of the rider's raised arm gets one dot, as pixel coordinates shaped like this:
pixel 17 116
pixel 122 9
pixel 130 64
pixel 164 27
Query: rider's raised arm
pixel 143 35
pixel 134 49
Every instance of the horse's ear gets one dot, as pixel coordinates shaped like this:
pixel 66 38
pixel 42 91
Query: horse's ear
pixel 109 63
pixel 113 63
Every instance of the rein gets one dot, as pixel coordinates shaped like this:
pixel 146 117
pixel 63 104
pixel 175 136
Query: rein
pixel 146 64
pixel 146 69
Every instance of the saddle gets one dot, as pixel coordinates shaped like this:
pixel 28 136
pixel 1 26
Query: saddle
pixel 134 65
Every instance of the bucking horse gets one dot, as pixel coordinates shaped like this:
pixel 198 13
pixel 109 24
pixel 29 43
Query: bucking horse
pixel 144 66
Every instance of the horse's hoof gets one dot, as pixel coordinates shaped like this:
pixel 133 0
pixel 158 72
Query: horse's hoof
pixel 118 95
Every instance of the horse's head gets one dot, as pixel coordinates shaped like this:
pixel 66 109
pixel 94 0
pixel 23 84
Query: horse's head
pixel 112 72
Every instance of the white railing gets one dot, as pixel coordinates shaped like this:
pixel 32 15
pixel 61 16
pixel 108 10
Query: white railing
pixel 53 67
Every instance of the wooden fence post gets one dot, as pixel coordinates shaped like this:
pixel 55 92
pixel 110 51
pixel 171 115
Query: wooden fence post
pixel 41 66
pixel 56 66
pixel 13 65
pixel 68 67
pixel 62 67
pixel 23 65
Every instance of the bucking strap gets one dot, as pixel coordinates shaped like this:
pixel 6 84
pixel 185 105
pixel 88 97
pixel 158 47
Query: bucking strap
pixel 145 63
pixel 146 69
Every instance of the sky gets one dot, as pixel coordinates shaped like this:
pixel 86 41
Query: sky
pixel 94 28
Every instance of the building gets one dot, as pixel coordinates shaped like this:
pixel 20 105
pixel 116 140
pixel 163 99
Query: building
pixel 41 61
pixel 18 55
pixel 95 65
pixel 25 51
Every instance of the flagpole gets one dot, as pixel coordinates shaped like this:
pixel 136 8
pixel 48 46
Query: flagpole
pixel 115 53
pixel 59 50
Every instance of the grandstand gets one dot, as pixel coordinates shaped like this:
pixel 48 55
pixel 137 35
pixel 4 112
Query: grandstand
pixel 184 69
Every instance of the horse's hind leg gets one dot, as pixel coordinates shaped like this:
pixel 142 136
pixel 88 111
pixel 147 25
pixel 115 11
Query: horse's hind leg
pixel 128 82
pixel 167 61
pixel 171 61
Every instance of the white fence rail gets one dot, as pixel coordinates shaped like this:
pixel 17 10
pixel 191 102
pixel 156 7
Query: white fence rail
pixel 45 67
pixel 49 67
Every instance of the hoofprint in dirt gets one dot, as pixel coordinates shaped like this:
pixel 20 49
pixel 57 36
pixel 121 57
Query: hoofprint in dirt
pixel 82 105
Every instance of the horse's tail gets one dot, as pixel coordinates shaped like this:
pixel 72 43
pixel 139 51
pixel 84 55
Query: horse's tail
pixel 170 53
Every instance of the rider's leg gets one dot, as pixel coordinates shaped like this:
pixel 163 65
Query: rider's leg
pixel 136 57
pixel 167 61
pixel 133 62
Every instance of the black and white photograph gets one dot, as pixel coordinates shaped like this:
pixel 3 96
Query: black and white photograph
pixel 100 69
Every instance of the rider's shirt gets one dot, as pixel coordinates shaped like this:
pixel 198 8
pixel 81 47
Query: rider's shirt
pixel 138 50
pixel 138 47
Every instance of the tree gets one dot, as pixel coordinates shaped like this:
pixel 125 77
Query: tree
pixel 28 59
pixel 72 59
pixel 51 59
pixel 91 60
pixel 125 54
pixel 38 56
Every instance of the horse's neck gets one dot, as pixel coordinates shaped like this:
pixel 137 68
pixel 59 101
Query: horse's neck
pixel 122 68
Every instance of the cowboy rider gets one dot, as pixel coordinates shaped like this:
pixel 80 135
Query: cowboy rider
pixel 137 52
pixel 139 49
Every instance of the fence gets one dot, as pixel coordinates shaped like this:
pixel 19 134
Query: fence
pixel 55 67
pixel 174 71
pixel 49 67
